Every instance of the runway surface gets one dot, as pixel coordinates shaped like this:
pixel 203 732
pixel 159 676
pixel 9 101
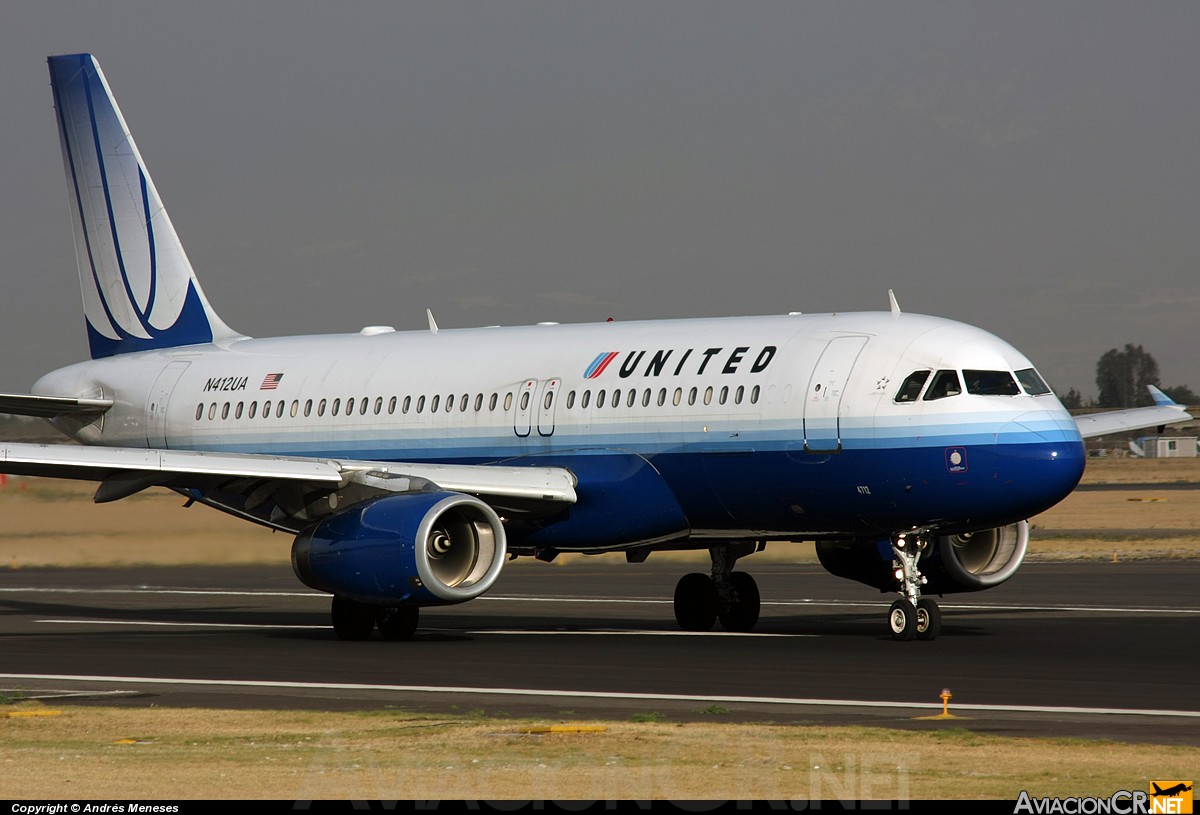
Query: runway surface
pixel 1085 649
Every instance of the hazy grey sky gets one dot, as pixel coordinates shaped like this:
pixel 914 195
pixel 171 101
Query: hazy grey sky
pixel 1027 167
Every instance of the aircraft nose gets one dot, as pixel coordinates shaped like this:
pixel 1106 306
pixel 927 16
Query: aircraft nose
pixel 1043 452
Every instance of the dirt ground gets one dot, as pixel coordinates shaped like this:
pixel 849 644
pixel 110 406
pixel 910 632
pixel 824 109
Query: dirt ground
pixel 157 753
pixel 49 522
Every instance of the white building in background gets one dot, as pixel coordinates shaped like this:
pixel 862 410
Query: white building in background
pixel 1165 446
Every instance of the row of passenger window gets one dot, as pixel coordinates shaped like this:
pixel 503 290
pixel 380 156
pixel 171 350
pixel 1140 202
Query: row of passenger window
pixel 723 396
pixel 410 404
pixel 981 383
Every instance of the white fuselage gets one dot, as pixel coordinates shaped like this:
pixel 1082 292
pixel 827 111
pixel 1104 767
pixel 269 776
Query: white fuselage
pixel 792 391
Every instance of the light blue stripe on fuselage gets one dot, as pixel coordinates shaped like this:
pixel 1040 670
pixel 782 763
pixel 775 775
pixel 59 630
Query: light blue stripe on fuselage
pixel 498 442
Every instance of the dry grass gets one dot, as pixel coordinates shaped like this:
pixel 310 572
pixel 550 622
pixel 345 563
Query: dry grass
pixel 53 523
pixel 160 753
pixel 156 753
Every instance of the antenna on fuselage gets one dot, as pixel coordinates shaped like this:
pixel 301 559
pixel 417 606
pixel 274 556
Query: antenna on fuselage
pixel 892 301
pixel 433 329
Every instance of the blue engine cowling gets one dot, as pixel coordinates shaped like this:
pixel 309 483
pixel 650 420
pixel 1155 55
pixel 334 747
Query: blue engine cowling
pixel 952 564
pixel 414 549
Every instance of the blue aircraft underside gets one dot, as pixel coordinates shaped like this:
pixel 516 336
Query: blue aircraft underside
pixel 637 490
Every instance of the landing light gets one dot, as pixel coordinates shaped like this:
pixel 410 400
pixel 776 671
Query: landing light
pixel 899 574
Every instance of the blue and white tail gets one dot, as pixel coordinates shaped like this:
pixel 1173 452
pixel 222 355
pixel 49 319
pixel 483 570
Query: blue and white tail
pixel 139 290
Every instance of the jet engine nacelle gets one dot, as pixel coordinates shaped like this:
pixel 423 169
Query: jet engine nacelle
pixel 953 563
pixel 414 549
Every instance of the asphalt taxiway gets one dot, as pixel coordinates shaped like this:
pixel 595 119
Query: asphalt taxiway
pixel 1082 648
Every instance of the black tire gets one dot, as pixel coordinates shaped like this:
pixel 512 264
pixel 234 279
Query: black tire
pixel 695 602
pixel 902 620
pixel 352 620
pixel 929 619
pixel 744 615
pixel 398 623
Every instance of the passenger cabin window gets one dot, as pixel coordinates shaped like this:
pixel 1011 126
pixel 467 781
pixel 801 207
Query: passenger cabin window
pixel 1032 382
pixel 910 389
pixel 945 383
pixel 991 383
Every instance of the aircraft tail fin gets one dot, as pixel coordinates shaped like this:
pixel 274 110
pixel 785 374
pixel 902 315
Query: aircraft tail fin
pixel 139 289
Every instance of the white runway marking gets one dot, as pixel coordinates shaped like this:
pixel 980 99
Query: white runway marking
pixel 620 632
pixel 145 590
pixel 802 602
pixel 654 697
pixel 170 624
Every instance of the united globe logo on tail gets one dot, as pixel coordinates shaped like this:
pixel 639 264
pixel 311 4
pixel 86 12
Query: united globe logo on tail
pixel 139 290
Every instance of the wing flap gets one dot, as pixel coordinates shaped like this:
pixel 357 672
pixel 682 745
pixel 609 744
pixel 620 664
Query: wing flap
pixel 533 483
pixel 96 463
pixel 184 468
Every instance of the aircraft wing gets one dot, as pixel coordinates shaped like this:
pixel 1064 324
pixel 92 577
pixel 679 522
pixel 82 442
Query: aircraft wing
pixel 122 471
pixel 51 407
pixel 1164 411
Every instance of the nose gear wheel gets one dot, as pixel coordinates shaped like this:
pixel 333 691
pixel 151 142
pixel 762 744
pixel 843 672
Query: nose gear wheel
pixel 912 616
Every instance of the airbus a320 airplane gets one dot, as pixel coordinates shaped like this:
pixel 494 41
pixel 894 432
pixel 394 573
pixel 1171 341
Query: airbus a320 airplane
pixel 409 464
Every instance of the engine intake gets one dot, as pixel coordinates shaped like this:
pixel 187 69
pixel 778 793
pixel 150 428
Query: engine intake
pixel 414 549
pixel 954 563
pixel 980 560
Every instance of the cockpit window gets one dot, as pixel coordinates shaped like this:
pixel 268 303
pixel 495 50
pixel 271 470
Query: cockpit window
pixel 1033 383
pixel 945 383
pixel 911 387
pixel 991 383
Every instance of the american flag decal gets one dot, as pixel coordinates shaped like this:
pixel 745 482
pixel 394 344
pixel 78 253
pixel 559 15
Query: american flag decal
pixel 270 382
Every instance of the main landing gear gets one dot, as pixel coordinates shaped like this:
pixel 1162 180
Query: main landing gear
pixel 729 596
pixel 912 616
pixel 353 620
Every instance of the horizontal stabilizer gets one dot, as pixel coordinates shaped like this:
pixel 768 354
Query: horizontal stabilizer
pixel 51 407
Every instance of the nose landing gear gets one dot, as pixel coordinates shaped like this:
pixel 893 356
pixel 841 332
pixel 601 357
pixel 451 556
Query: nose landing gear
pixel 912 616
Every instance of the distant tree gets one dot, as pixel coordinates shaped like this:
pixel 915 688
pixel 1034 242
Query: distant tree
pixel 1072 399
pixel 1122 377
pixel 1182 394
